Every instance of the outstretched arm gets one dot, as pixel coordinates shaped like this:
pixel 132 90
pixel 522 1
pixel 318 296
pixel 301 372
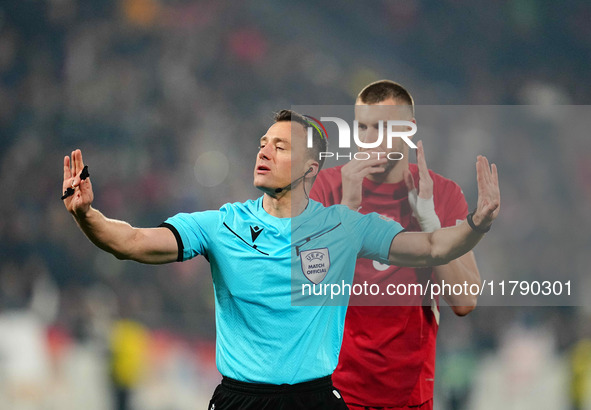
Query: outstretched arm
pixel 146 245
pixel 443 245
pixel 459 271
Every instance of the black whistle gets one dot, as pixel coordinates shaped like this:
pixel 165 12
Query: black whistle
pixel 67 193
pixel 83 175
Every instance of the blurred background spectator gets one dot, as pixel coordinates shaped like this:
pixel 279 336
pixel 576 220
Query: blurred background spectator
pixel 167 100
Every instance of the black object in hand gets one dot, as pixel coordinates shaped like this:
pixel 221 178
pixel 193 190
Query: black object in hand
pixel 83 175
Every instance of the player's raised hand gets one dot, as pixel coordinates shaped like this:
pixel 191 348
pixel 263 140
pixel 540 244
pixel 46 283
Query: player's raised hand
pixel 352 175
pixel 425 190
pixel 489 194
pixel 421 201
pixel 79 203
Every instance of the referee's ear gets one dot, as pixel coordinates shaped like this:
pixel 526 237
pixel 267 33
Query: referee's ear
pixel 313 169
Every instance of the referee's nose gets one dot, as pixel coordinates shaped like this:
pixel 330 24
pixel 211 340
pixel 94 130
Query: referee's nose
pixel 264 152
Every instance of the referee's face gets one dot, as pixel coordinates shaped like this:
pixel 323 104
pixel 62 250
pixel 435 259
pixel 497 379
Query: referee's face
pixel 279 149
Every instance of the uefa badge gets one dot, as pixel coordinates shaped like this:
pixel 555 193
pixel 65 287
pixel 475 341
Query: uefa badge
pixel 315 264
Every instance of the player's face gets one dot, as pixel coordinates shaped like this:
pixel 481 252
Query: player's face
pixel 281 147
pixel 368 118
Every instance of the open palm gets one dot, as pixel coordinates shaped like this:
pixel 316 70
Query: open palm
pixel 78 203
pixel 489 195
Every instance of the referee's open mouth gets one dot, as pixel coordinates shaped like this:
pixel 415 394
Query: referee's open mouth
pixel 263 169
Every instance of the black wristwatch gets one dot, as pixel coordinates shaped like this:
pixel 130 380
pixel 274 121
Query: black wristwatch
pixel 473 226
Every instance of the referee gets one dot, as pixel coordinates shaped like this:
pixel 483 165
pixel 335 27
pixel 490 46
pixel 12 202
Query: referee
pixel 272 354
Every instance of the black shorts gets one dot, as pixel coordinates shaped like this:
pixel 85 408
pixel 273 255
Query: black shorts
pixel 317 394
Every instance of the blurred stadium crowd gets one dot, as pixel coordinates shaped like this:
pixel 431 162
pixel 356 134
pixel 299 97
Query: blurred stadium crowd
pixel 152 90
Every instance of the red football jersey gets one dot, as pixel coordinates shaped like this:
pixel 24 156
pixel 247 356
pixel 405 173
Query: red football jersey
pixel 388 354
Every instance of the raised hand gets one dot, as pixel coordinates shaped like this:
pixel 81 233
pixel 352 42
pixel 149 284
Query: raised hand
pixel 352 175
pixel 489 195
pixel 425 182
pixel 421 202
pixel 79 203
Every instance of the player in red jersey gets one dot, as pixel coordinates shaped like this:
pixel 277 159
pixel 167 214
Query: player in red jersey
pixel 387 359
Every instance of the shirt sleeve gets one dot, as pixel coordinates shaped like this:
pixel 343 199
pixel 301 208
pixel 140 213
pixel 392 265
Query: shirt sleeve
pixel 375 233
pixel 193 232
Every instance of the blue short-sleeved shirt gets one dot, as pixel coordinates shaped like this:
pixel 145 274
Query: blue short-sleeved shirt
pixel 266 330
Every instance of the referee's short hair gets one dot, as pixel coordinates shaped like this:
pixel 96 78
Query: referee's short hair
pixel 319 140
pixel 380 91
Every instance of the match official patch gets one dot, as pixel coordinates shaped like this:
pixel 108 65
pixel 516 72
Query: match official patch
pixel 315 264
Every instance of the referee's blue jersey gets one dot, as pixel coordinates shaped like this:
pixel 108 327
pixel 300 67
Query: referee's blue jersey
pixel 267 330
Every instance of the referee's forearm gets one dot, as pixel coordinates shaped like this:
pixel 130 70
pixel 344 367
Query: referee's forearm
pixel 450 243
pixel 110 235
